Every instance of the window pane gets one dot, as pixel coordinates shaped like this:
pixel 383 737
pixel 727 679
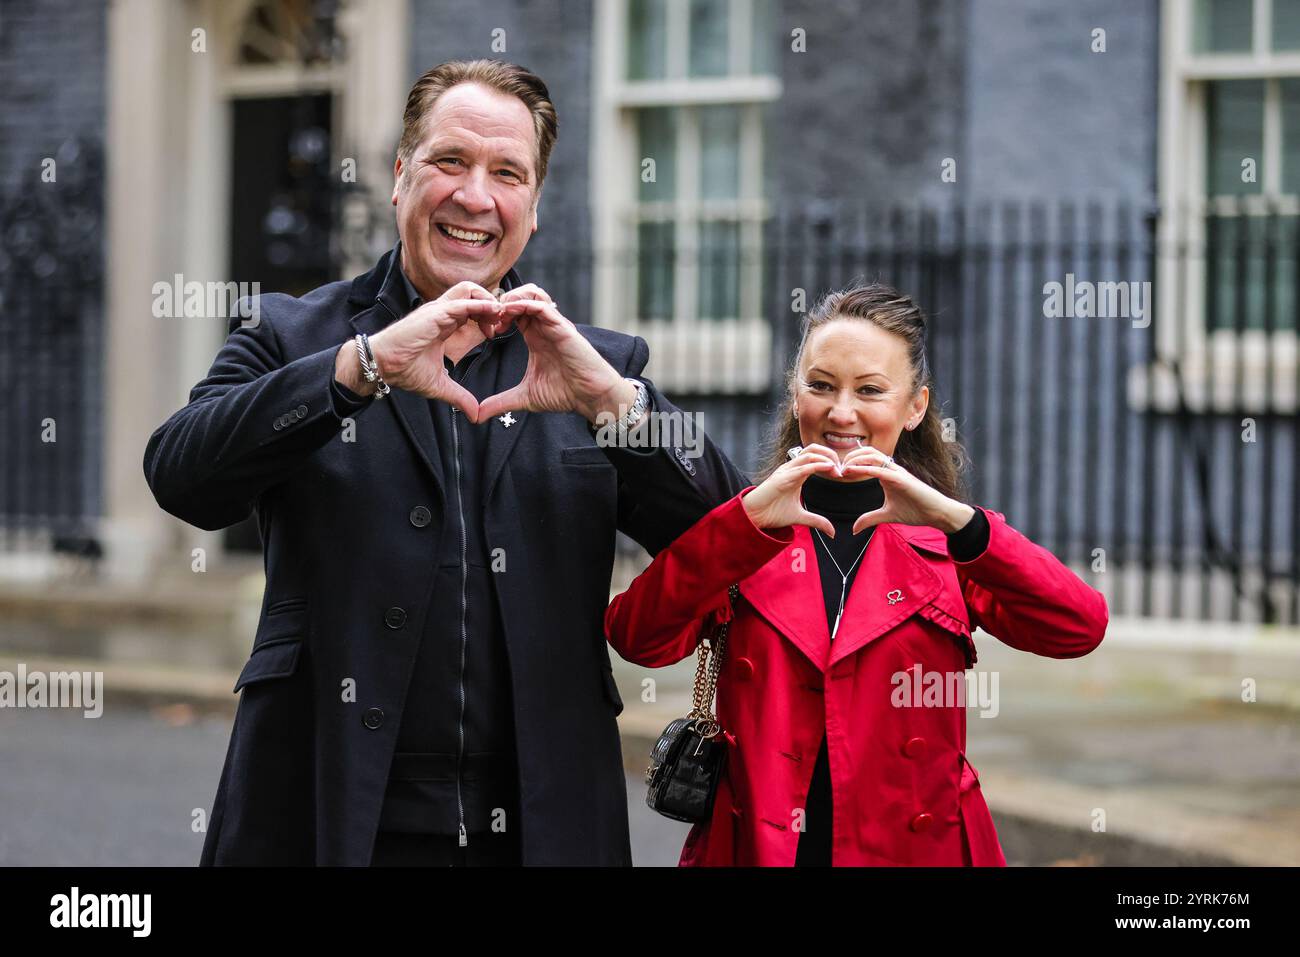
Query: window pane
pixel 647 32
pixel 657 141
pixel 1284 260
pixel 719 271
pixel 1230 299
pixel 719 152
pixel 1242 252
pixel 1286 24
pixel 1234 126
pixel 654 274
pixel 768 141
pixel 1290 135
pixel 1223 26
pixel 764 38
pixel 709 37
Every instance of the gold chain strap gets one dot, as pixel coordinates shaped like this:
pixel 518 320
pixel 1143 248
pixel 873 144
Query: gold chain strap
pixel 708 663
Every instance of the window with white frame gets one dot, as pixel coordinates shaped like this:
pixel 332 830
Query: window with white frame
pixel 1230 195
pixel 681 199
pixel 1252 160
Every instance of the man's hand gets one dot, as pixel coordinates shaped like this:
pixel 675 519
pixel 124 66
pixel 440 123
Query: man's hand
pixel 565 373
pixel 409 352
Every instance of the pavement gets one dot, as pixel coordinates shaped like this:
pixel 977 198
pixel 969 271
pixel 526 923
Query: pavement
pixel 133 787
pixel 1143 752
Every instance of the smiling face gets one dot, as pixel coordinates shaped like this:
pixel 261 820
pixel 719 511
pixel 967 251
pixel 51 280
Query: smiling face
pixel 854 383
pixel 467 199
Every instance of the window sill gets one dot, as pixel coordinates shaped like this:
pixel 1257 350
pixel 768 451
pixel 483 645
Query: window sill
pixel 708 356
pixel 1217 383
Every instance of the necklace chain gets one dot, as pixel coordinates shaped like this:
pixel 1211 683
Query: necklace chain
pixel 843 574
pixel 844 577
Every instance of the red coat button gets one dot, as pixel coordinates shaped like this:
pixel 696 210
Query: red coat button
pixel 914 748
pixel 922 822
pixel 744 668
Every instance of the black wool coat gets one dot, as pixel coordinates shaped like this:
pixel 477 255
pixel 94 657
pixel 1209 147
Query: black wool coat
pixel 350 533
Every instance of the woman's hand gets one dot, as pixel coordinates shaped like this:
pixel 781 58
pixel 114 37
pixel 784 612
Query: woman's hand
pixel 776 503
pixel 908 500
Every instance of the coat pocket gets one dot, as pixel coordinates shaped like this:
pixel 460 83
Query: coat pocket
pixel 277 647
pixel 976 821
pixel 592 455
pixel 273 660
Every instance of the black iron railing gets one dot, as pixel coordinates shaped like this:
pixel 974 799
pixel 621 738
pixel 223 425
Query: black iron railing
pixel 1126 385
pixel 51 352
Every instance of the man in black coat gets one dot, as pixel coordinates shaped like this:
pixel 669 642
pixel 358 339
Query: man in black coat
pixel 433 451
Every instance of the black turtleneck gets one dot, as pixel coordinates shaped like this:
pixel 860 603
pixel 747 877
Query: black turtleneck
pixel 842 503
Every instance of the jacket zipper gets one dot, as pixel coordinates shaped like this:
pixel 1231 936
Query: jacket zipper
pixel 464 584
pixel 463 838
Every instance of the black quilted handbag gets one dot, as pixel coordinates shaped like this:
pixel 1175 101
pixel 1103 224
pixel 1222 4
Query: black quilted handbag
pixel 687 761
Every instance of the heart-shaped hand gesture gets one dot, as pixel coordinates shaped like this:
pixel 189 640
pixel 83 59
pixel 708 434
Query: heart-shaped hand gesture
pixel 908 500
pixel 776 502
pixel 565 373
pixel 410 351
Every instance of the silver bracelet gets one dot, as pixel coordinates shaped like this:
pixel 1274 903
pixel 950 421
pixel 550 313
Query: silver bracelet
pixel 369 367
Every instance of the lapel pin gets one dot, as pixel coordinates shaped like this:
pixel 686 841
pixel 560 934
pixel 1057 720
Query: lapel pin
pixel 507 420
pixel 895 596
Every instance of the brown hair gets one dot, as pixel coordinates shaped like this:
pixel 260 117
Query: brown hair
pixel 922 451
pixel 498 75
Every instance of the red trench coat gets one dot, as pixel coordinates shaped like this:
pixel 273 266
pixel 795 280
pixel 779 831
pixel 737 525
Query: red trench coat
pixel 902 790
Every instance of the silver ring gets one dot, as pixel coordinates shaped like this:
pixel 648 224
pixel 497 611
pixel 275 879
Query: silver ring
pixel 794 452
pixel 889 461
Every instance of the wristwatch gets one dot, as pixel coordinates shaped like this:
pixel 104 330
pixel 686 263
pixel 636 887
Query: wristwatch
pixel 637 409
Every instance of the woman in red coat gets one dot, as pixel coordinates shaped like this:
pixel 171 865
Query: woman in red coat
pixel 862 575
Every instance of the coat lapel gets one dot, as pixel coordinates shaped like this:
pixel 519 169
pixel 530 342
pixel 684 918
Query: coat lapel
pixel 950 601
pixel 511 365
pixel 787 591
pixel 891 584
pixel 412 410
